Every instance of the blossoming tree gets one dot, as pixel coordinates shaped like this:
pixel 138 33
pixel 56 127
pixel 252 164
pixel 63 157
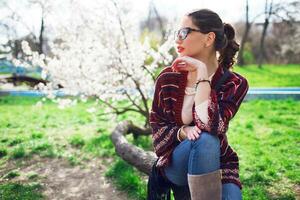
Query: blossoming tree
pixel 99 53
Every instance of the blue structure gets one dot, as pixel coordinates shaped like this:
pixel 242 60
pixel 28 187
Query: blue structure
pixel 9 68
pixel 253 93
pixel 28 93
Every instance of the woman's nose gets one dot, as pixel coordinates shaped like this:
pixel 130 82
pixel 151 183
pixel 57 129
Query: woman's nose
pixel 178 41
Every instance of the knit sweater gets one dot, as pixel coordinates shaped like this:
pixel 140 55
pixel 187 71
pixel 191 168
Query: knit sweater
pixel 165 116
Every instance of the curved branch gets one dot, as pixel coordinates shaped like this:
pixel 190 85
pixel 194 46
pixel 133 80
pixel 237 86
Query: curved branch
pixel 135 156
pixel 138 131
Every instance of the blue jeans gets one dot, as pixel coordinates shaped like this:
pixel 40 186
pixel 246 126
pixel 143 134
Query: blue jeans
pixel 198 157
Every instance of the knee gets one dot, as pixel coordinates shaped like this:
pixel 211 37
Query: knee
pixel 207 141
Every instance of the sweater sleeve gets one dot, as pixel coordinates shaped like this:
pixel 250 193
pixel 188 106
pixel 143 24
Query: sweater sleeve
pixel 220 112
pixel 164 132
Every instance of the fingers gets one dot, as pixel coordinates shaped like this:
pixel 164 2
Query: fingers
pixel 178 63
pixel 190 136
pixel 193 133
pixel 197 135
pixel 185 63
pixel 197 129
pixel 188 61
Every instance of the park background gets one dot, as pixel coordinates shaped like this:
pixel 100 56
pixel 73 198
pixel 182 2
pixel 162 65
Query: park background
pixel 76 86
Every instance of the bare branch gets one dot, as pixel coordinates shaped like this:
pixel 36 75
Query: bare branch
pixel 133 102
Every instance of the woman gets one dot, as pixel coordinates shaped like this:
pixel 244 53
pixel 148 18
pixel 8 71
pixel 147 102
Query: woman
pixel 190 114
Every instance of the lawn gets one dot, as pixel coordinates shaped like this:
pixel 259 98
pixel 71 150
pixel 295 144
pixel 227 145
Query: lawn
pixel 271 75
pixel 264 133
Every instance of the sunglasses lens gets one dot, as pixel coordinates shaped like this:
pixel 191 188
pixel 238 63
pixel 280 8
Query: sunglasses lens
pixel 182 33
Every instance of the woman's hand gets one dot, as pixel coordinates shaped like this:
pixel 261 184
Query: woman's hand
pixel 186 63
pixel 192 132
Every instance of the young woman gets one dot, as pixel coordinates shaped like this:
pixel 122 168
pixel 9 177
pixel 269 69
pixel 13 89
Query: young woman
pixel 191 110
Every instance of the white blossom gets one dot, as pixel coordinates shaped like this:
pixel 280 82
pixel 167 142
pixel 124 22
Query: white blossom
pixel 99 53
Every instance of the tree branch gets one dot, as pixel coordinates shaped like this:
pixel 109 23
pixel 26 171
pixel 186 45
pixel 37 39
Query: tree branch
pixel 135 156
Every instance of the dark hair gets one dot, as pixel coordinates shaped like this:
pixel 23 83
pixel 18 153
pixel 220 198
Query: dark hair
pixel 209 21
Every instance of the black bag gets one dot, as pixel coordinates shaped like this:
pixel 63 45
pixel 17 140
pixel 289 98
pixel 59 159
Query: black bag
pixel 158 187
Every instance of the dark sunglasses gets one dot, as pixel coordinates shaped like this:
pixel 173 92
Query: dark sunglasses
pixel 182 33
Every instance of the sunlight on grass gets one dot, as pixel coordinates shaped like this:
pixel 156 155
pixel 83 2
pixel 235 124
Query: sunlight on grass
pixel 271 75
pixel 127 179
pixel 265 134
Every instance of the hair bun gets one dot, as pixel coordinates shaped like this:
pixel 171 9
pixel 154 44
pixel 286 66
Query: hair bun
pixel 229 31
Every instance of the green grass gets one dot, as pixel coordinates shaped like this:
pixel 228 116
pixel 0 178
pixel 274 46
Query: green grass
pixel 18 152
pixel 271 75
pixel 265 134
pixel 32 175
pixel 47 131
pixel 3 152
pixel 77 141
pixel 127 178
pixel 12 174
pixel 17 191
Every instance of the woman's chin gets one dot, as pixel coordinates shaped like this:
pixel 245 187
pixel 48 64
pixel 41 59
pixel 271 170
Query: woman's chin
pixel 182 54
pixel 185 53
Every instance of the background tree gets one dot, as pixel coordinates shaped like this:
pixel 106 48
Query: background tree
pixel 280 11
pixel 13 20
pixel 276 12
pixel 156 21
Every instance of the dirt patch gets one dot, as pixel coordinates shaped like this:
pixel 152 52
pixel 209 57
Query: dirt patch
pixel 61 181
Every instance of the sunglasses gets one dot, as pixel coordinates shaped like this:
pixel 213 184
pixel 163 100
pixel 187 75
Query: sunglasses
pixel 182 33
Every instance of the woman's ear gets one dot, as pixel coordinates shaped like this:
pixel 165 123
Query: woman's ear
pixel 210 39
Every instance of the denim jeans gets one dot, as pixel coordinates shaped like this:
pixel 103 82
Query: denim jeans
pixel 198 157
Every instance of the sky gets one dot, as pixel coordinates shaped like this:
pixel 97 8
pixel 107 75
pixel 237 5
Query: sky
pixel 230 11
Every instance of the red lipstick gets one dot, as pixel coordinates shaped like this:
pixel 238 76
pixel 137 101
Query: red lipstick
pixel 180 49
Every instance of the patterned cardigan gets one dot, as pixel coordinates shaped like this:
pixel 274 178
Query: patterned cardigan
pixel 165 116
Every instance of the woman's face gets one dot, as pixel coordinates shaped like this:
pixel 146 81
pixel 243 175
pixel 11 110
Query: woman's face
pixel 194 44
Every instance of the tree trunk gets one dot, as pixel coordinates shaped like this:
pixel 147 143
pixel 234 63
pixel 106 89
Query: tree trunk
pixel 262 44
pixel 41 37
pixel 135 156
pixel 241 61
pixel 268 14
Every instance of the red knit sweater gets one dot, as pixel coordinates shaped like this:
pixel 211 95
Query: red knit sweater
pixel 165 116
